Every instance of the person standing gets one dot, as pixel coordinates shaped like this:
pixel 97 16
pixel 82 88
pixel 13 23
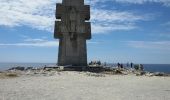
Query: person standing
pixel 127 64
pixel 118 65
pixel 131 65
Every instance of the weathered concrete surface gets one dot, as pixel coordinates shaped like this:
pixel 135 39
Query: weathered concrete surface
pixel 72 32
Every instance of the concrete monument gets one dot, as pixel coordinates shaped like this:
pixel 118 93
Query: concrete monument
pixel 72 30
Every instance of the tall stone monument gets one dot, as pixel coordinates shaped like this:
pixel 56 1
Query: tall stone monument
pixel 72 30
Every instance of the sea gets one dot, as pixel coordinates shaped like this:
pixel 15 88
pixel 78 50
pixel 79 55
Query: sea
pixel 165 68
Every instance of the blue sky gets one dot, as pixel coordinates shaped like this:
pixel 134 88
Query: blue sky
pixel 122 31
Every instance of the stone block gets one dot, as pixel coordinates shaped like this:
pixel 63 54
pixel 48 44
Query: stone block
pixel 73 2
pixel 57 30
pixel 59 10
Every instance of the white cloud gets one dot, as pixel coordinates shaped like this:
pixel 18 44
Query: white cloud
pixel 34 40
pixel 40 14
pixel 104 21
pixel 42 44
pixel 162 45
pixel 164 2
pixel 94 42
pixel 33 43
pixel 35 13
pixel 101 29
pixel 114 16
pixel 38 42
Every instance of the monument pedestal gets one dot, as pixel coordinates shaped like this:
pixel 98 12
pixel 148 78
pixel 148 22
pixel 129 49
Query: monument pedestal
pixel 72 52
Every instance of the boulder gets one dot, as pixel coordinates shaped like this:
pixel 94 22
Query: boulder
pixel 160 74
pixel 18 68
pixel 29 68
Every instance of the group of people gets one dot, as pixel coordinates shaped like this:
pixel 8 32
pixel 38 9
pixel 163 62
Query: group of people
pixel 95 63
pixel 122 65
pixel 131 65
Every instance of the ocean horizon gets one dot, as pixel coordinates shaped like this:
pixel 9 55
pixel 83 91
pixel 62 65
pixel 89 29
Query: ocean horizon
pixel 165 68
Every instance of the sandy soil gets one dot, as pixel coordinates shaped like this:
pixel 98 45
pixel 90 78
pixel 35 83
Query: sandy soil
pixel 84 86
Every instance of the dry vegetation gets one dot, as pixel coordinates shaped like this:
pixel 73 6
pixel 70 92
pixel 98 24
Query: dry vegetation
pixel 4 75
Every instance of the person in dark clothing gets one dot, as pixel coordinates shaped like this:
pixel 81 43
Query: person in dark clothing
pixel 127 64
pixel 99 62
pixel 118 65
pixel 131 65
pixel 121 65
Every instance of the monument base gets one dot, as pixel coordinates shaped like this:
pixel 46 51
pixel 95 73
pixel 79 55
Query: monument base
pixel 72 52
pixel 75 68
pixel 84 68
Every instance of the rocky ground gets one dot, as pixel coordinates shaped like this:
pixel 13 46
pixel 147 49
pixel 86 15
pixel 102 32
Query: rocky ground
pixel 71 85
